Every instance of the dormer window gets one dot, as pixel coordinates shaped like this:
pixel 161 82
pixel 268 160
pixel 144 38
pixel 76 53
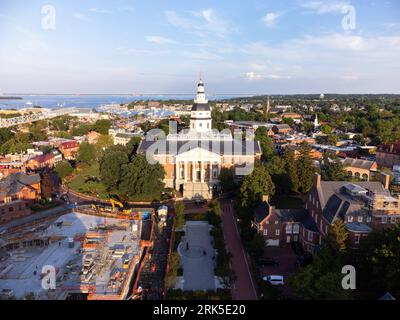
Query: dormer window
pixel 350 219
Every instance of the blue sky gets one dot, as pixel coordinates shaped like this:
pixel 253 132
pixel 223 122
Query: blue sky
pixel 161 46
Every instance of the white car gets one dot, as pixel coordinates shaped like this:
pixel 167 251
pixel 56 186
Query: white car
pixel 274 280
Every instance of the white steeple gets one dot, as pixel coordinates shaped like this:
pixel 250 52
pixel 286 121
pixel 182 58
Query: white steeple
pixel 316 124
pixel 200 115
pixel 201 95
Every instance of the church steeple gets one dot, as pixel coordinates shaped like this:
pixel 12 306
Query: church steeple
pixel 316 124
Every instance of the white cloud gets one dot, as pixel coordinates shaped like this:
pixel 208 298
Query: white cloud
pixel 160 40
pixel 270 18
pixel 96 10
pixel 202 22
pixel 324 7
pixel 251 75
pixel 80 16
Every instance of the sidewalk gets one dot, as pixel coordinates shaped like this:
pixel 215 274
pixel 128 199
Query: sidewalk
pixel 244 287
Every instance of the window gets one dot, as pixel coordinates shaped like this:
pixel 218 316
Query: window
pixel 393 220
pixel 310 236
pixel 368 219
pixel 384 220
pixel 296 228
pixel 357 239
pixel 350 219
pixel 317 204
pixel 277 232
pixel 208 125
pixel 289 228
pixel 266 222
pixel 265 232
pixel 200 124
pixel 360 219
pixel 276 222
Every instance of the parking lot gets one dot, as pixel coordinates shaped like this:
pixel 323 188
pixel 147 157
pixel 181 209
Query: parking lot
pixel 286 258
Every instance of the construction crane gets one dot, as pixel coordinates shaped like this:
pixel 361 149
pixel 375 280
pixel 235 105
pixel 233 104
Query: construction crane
pixel 120 204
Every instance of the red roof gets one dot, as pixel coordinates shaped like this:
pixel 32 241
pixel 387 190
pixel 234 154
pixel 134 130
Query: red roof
pixel 69 145
pixel 43 158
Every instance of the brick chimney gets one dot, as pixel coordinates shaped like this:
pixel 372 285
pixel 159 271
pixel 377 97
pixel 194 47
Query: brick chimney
pixel 317 180
pixel 385 179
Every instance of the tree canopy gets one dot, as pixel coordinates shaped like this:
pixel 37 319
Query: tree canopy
pixel 63 169
pixel 255 185
pixel 141 180
pixel 87 153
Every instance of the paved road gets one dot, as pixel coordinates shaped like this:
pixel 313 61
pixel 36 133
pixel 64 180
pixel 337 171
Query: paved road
pixel 244 287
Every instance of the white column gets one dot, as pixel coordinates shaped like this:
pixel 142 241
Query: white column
pixel 202 171
pixel 185 174
pixel 176 170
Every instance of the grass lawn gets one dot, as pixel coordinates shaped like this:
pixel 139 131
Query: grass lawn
pixel 86 180
pixel 287 202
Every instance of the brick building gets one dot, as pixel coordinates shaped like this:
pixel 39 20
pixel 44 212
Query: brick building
pixel 362 206
pixel 69 149
pixel 280 226
pixel 388 154
pixel 17 192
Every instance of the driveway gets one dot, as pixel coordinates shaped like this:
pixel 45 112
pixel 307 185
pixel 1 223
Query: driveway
pixel 287 263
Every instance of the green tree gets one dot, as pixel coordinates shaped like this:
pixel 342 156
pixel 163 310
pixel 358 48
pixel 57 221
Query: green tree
pixel 133 144
pixel 378 266
pixel 63 169
pixel 104 141
pixel 305 168
pixel 179 218
pixel 87 153
pixel 226 179
pixel 320 280
pixel 255 185
pixel 266 144
pixel 332 169
pixel 102 126
pixel 5 135
pixel 291 169
pixel 326 129
pixel 337 236
pixel 141 180
pixel 111 168
pixel 256 245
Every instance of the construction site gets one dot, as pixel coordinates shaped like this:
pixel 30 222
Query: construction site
pixel 97 252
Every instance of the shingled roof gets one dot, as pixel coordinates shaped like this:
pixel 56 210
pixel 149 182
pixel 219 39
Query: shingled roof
pixel 16 181
pixel 358 163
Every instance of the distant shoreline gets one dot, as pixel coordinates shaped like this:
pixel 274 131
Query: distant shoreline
pixel 10 98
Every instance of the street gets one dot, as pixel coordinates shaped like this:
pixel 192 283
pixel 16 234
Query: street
pixel 244 287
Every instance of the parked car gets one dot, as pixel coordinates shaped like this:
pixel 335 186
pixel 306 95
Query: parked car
pixel 266 261
pixel 274 280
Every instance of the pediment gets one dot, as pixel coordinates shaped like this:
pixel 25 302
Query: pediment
pixel 198 154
